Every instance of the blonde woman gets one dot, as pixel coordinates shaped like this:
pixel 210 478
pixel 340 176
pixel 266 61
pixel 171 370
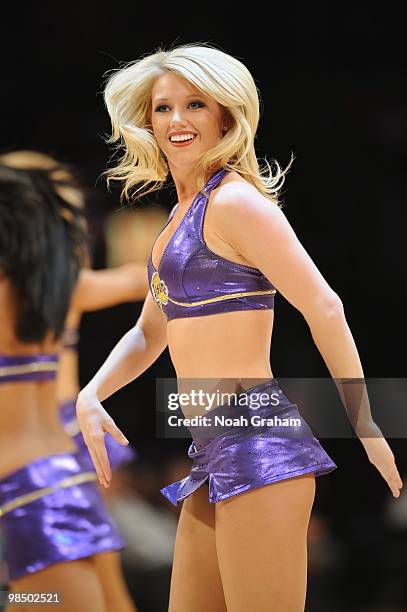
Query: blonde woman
pixel 225 251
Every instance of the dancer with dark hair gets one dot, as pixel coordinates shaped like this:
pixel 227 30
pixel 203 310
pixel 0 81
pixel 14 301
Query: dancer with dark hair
pixel 54 522
pixel 94 290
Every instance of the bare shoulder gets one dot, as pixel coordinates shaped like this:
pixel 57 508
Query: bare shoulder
pixel 238 199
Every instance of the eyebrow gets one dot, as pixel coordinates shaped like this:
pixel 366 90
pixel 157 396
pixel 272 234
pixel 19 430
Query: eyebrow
pixel 197 95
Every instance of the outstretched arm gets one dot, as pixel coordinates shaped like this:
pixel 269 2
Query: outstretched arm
pixel 261 233
pixel 98 289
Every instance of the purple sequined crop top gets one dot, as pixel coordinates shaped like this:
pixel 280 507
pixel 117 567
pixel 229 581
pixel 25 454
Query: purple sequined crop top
pixel 192 281
pixel 27 368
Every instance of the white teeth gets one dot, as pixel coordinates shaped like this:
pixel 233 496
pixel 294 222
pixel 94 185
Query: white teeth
pixel 181 137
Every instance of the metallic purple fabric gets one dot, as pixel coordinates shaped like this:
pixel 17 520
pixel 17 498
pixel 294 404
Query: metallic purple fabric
pixel 239 458
pixel 28 367
pixel 190 272
pixel 69 523
pixel 118 454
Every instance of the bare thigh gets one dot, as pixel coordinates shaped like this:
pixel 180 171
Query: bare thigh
pixel 76 580
pixel 195 582
pixel 109 570
pixel 261 538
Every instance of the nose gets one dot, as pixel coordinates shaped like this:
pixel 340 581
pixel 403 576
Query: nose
pixel 177 117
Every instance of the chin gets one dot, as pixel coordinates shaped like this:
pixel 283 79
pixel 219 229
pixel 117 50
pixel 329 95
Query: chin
pixel 183 161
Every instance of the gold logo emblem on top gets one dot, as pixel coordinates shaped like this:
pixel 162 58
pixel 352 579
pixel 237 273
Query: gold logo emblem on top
pixel 159 290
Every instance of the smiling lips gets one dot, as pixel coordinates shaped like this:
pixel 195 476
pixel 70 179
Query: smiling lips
pixel 182 139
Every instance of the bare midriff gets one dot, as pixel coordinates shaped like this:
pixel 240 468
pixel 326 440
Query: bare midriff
pixel 229 345
pixel 29 420
pixel 30 426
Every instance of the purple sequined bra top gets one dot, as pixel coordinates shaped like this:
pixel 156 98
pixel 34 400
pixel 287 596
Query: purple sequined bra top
pixel 26 368
pixel 193 281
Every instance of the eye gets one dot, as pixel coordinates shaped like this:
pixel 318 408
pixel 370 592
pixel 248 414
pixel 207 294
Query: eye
pixel 159 108
pixel 197 104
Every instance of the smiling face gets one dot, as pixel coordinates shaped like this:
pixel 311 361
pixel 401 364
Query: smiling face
pixel 186 122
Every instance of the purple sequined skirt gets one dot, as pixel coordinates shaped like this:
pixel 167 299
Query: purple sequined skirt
pixel 263 445
pixel 118 454
pixel 51 511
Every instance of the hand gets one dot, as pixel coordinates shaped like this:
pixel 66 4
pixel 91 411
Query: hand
pixel 381 456
pixel 94 422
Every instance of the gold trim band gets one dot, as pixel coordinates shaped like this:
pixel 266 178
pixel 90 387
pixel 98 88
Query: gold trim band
pixel 34 495
pixel 161 295
pixel 220 298
pixel 28 368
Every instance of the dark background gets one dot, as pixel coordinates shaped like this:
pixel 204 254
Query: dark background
pixel 333 82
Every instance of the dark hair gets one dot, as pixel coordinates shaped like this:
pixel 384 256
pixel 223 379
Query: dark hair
pixel 43 245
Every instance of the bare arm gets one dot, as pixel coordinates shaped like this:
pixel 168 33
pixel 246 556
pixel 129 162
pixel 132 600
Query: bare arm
pixel 137 350
pixel 261 233
pixel 98 289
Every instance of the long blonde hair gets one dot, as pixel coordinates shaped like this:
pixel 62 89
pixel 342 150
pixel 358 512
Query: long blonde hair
pixel 143 167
